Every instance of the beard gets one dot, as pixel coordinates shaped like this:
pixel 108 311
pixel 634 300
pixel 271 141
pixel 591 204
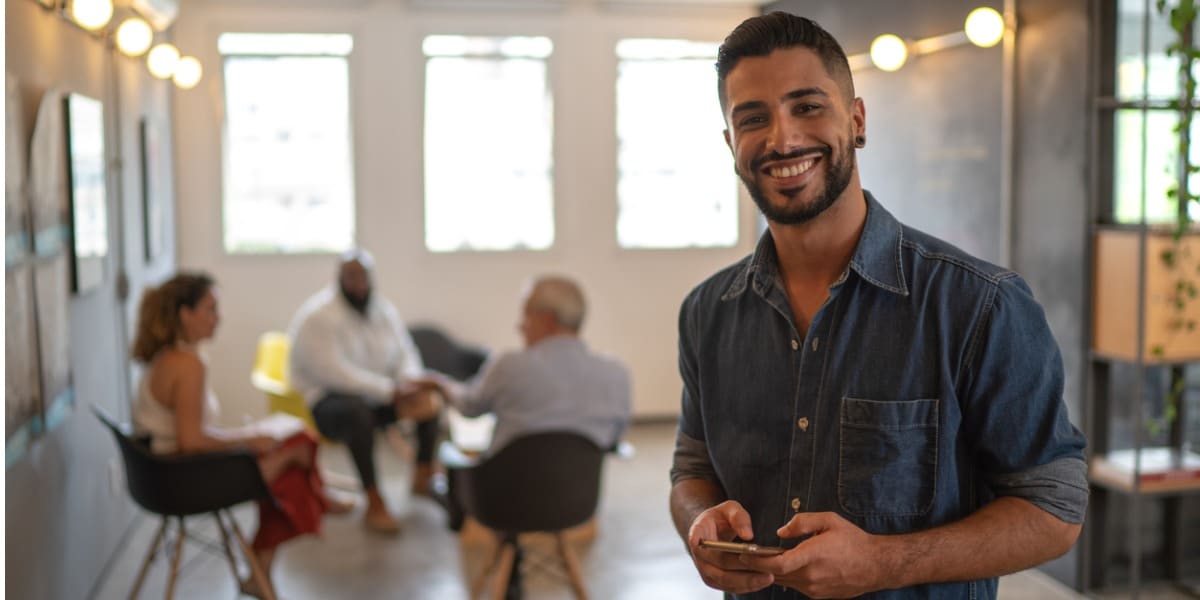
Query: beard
pixel 837 177
pixel 358 303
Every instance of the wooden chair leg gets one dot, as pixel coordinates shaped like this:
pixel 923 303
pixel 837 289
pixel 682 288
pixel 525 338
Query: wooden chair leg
pixel 175 560
pixel 574 573
pixel 508 553
pixel 480 579
pixel 256 570
pixel 228 548
pixel 141 577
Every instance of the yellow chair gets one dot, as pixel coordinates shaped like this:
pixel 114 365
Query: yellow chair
pixel 270 376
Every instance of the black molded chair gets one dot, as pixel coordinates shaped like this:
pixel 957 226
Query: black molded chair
pixel 441 353
pixel 542 482
pixel 181 486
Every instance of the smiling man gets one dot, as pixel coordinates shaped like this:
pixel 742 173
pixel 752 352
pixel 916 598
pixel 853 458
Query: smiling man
pixel 881 404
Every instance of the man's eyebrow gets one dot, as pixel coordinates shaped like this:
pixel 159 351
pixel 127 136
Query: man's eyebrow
pixel 802 92
pixel 745 106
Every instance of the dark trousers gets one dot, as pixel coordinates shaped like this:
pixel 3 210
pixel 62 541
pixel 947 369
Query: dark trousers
pixel 352 420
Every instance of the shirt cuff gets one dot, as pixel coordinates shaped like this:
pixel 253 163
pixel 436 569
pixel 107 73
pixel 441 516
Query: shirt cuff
pixel 1058 487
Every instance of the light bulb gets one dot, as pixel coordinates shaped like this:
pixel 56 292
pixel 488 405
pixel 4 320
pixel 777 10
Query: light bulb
pixel 162 60
pixel 984 27
pixel 188 72
pixel 889 52
pixel 91 14
pixel 134 36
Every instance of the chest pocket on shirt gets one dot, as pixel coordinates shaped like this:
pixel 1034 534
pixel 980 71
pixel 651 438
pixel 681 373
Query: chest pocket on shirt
pixel 887 463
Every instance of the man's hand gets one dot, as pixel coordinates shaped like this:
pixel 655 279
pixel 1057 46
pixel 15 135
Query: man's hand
pixel 838 561
pixel 722 570
pixel 417 401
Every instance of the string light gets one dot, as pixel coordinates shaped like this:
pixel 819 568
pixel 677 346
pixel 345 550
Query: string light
pixel 162 60
pixel 889 52
pixel 984 27
pixel 92 14
pixel 134 36
pixel 187 72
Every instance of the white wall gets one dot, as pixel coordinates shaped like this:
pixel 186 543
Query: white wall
pixel 634 295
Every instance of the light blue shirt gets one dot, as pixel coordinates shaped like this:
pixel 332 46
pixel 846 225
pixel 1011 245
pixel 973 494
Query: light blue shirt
pixel 556 385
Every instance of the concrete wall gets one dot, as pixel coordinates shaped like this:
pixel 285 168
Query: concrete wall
pixel 63 516
pixel 634 295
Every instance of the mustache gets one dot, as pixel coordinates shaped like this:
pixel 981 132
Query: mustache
pixel 757 163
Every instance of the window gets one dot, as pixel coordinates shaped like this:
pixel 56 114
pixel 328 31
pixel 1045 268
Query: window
pixel 1144 159
pixel 675 182
pixel 289 184
pixel 488 150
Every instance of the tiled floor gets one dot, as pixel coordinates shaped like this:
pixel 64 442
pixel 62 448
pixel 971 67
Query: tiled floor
pixel 635 555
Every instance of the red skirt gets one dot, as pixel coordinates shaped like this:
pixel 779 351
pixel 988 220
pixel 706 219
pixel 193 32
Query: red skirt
pixel 299 500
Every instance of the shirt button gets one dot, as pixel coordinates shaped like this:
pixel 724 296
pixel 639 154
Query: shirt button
pixel 815 342
pixel 803 423
pixel 795 345
pixel 795 504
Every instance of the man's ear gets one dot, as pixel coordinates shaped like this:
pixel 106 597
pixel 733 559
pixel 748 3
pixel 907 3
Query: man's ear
pixel 728 142
pixel 859 114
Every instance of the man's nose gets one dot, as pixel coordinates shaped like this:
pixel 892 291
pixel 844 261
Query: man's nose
pixel 785 135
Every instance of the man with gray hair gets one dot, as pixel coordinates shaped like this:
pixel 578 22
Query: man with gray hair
pixel 555 383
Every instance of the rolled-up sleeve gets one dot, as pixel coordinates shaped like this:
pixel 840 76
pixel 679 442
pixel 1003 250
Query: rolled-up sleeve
pixel 1014 411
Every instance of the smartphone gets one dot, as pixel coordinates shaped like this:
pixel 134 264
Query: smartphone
pixel 742 548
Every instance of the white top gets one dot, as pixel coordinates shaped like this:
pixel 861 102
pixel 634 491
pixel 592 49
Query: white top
pixel 158 420
pixel 334 348
pixel 557 385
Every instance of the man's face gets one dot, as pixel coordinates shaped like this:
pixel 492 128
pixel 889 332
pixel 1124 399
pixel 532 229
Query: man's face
pixel 791 132
pixel 535 325
pixel 355 282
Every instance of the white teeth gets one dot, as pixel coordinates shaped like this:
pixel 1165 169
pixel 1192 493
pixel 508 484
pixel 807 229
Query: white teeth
pixel 792 171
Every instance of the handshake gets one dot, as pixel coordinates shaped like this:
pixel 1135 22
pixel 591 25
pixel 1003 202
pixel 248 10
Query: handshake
pixel 419 399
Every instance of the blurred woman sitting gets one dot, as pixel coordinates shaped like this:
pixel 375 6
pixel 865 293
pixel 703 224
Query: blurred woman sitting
pixel 176 408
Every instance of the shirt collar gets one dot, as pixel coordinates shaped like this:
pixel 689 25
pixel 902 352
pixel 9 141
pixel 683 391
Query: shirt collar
pixel 876 259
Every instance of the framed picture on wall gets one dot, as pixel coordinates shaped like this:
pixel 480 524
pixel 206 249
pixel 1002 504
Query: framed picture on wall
pixel 154 192
pixel 47 178
pixel 86 191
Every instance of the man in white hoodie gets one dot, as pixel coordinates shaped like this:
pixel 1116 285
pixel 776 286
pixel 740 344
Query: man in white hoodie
pixel 354 361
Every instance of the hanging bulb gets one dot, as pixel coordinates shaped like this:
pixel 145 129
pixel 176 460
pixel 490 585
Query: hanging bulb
pixel 187 72
pixel 134 37
pixel 889 52
pixel 162 60
pixel 984 27
pixel 92 14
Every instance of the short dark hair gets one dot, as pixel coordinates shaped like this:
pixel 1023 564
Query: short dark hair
pixel 762 35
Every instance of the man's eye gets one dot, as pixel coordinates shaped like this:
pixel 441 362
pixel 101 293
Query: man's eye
pixel 803 108
pixel 752 120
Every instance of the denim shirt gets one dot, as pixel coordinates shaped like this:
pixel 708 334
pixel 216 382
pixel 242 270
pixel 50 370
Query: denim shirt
pixel 927 385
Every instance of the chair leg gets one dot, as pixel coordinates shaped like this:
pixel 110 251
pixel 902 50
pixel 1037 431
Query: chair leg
pixel 175 560
pixel 141 577
pixel 478 581
pixel 569 559
pixel 508 555
pixel 256 570
pixel 228 548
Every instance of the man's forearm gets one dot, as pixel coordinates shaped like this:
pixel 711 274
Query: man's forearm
pixel 691 497
pixel 1006 536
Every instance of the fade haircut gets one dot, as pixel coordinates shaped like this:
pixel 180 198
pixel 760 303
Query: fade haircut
pixel 762 35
